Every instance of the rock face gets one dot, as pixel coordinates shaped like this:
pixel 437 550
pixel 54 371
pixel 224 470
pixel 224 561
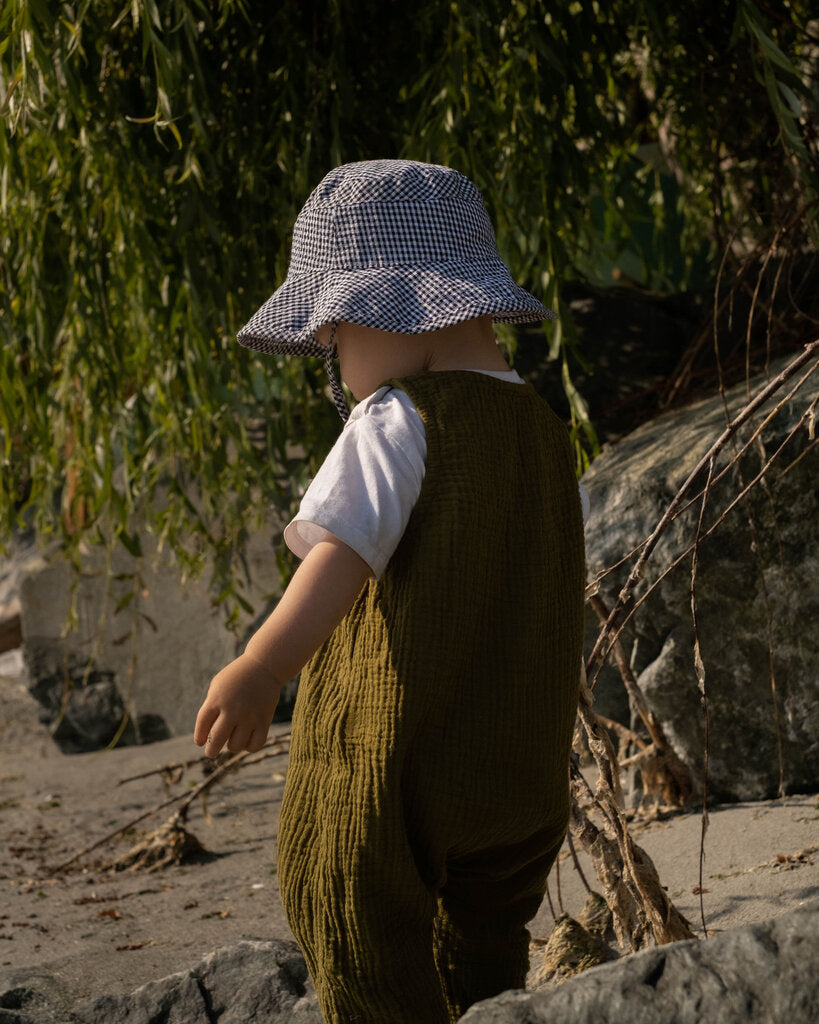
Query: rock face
pixel 755 587
pixel 762 974
pixel 265 982
pixel 143 642
pixel 32 997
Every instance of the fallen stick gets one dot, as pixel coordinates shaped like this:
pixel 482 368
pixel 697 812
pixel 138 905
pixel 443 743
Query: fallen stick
pixel 175 765
pixel 272 748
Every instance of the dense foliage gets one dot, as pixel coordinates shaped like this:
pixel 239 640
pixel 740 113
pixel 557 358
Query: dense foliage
pixel 154 157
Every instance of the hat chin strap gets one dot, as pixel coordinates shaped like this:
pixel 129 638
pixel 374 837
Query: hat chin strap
pixel 339 400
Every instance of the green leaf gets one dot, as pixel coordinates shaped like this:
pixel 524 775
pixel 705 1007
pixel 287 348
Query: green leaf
pixel 792 100
pixel 131 543
pixel 124 602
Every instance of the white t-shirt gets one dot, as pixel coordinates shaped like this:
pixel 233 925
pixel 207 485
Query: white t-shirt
pixel 367 486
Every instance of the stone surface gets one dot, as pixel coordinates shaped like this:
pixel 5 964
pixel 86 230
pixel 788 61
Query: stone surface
pixel 85 711
pixel 756 594
pixel 143 641
pixel 31 996
pixel 264 982
pixel 762 974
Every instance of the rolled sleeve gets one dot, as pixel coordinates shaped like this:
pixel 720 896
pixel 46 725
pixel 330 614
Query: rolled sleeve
pixel 365 490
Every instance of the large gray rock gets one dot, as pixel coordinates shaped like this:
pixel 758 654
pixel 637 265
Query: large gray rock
pixel 762 974
pixel 756 583
pixel 32 996
pixel 264 982
pixel 150 654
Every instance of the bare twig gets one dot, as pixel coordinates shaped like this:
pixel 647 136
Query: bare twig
pixel 806 417
pixel 798 459
pixel 596 658
pixel 551 905
pixel 671 773
pixel 576 862
pixel 557 884
pixel 700 670
pixel 739 452
pixel 594 587
pixel 640 906
pixel 629 735
pixel 274 747
pixel 642 755
pixel 172 766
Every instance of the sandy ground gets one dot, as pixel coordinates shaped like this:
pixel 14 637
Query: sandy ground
pixel 102 931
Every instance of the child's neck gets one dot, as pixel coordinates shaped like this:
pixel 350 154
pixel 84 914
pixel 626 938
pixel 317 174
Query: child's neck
pixel 466 349
pixel 369 356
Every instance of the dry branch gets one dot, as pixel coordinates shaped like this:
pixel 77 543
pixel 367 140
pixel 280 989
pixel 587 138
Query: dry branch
pixel 641 909
pixel 662 771
pixel 805 418
pixel 274 747
pixel 699 666
pixel 597 657
pixel 640 906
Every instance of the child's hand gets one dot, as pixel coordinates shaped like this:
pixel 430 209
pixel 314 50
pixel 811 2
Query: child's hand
pixel 242 697
pixel 238 709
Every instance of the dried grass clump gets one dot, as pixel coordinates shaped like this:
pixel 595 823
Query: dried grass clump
pixel 170 844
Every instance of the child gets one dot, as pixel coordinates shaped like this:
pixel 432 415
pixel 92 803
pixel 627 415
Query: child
pixel 439 604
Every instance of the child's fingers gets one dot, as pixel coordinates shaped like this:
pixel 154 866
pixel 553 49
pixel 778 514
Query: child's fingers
pixel 257 740
pixel 239 739
pixel 217 737
pixel 204 721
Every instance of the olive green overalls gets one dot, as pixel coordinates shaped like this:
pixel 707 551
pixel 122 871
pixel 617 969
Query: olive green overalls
pixel 427 793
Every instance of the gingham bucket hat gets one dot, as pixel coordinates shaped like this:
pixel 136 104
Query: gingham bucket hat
pixel 394 244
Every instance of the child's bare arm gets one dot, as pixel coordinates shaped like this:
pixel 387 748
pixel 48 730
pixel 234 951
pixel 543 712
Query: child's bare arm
pixel 239 706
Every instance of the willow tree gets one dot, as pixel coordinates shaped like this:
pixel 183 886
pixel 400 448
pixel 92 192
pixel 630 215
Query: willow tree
pixel 154 157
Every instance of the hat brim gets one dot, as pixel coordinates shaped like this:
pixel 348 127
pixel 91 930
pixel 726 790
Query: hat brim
pixel 403 299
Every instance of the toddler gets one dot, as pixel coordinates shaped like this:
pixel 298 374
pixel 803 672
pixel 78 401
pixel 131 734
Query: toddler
pixel 438 609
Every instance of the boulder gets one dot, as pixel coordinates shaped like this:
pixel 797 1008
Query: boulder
pixel 265 982
pixel 761 974
pixel 32 996
pixel 132 662
pixel 755 588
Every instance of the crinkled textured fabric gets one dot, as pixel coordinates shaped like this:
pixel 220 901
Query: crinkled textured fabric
pixel 427 792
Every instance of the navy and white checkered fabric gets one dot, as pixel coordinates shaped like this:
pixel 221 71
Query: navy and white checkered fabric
pixel 395 244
